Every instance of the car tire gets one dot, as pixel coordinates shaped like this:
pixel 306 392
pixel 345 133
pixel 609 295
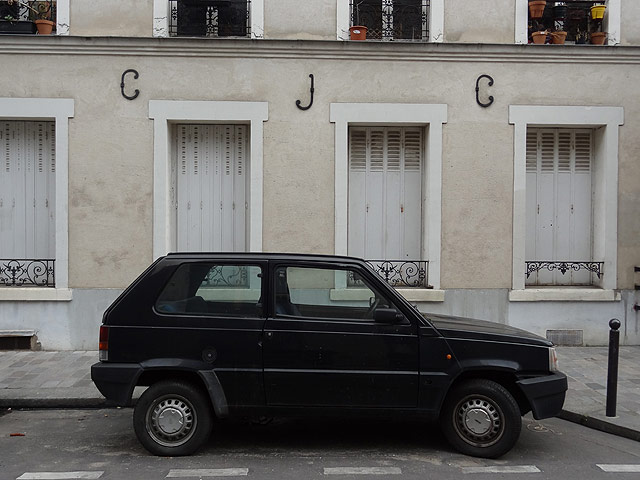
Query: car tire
pixel 481 418
pixel 172 418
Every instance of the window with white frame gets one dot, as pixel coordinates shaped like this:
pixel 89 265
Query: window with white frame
pixel 571 17
pixel 559 248
pixel 566 168
pixel 400 20
pixel 19 16
pixel 208 18
pixel 27 203
pixel 34 164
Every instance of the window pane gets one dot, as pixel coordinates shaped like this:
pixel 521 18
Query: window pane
pixel 216 290
pixel 325 293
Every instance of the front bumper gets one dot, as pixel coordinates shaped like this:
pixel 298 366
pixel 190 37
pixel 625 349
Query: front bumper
pixel 116 381
pixel 545 394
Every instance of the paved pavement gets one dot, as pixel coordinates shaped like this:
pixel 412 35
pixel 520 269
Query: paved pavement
pixel 62 379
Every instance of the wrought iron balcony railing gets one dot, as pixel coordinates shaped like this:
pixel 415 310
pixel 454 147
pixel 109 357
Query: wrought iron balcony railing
pixel 400 273
pixel 564 268
pixel 392 19
pixel 210 18
pixel 27 273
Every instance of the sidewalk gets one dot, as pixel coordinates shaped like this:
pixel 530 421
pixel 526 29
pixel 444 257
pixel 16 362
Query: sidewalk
pixel 63 379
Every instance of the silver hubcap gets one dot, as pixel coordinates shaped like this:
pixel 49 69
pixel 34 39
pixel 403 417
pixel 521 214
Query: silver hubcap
pixel 479 421
pixel 171 420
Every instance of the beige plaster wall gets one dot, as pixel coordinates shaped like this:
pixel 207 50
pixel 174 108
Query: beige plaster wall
pixel 629 21
pixel 111 18
pixel 479 21
pixel 300 19
pixel 111 144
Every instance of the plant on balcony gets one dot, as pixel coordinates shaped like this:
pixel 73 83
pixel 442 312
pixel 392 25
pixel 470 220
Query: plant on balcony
pixel 536 8
pixel 40 11
pixel 357 31
pixel 10 22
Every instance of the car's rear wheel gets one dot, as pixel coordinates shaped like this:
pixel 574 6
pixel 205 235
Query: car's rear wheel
pixel 172 418
pixel 481 418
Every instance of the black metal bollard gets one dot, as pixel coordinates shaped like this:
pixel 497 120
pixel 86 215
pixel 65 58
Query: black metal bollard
pixel 612 376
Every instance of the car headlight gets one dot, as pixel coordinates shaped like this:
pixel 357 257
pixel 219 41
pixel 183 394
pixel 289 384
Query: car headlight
pixel 553 360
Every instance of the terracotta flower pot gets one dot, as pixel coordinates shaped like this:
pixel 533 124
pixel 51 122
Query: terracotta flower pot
pixel 536 8
pixel 558 38
pixel 539 37
pixel 358 32
pixel 597 12
pixel 45 27
pixel 598 38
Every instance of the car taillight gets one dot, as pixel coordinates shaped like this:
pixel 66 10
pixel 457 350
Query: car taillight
pixel 103 346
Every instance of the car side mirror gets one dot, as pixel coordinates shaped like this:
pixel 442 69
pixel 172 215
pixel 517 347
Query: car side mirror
pixel 387 315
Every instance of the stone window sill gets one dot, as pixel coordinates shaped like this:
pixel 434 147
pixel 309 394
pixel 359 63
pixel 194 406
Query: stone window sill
pixel 554 294
pixel 36 294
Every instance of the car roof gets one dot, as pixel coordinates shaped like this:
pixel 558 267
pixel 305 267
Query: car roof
pixel 248 256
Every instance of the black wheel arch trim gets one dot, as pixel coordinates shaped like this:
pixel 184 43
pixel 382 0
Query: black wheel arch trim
pixel 116 381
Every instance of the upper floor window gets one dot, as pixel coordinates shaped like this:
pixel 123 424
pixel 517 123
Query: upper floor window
pixel 28 16
pixel 210 18
pixel 570 21
pixel 392 19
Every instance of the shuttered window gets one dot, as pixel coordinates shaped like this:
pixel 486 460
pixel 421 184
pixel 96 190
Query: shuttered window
pixel 209 190
pixel 559 202
pixel 385 192
pixel 27 190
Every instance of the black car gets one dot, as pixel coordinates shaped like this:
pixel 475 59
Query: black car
pixel 272 335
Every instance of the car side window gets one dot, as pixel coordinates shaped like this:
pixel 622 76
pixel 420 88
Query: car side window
pixel 326 293
pixel 208 289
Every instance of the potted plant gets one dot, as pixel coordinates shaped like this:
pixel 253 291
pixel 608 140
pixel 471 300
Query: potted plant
pixel 539 38
pixel 357 31
pixel 536 8
pixel 558 37
pixel 597 11
pixel 41 11
pixel 598 38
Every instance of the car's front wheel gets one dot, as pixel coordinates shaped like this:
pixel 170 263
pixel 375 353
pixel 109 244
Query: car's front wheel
pixel 172 418
pixel 481 418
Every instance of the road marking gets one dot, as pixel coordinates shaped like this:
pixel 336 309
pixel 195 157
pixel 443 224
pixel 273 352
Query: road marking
pixel 363 471
pixel 59 475
pixel 618 468
pixel 208 472
pixel 502 469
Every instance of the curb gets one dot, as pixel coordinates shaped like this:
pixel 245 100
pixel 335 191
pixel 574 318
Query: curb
pixel 602 425
pixel 16 403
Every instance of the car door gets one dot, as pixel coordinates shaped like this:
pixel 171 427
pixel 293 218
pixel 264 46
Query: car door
pixel 322 346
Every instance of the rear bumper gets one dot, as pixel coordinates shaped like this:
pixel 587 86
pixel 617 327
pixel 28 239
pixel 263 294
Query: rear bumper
pixel 116 381
pixel 545 394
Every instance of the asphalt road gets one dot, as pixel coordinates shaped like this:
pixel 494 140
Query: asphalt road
pixel 101 444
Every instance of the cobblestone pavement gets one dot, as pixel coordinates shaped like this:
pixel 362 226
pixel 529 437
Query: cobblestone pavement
pixel 63 379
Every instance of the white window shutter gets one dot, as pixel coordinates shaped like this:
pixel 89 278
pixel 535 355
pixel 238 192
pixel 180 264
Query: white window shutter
pixel 385 193
pixel 211 172
pixel 559 202
pixel 27 190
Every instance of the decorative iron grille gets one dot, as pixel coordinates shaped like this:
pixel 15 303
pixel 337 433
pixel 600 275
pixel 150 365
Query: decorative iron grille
pixel 27 272
pixel 392 19
pixel 210 18
pixel 564 267
pixel 571 16
pixel 399 273
pixel 227 276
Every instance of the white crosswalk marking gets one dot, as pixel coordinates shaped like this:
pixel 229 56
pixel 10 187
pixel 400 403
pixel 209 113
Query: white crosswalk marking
pixel 618 468
pixel 502 469
pixel 362 471
pixel 59 475
pixel 208 472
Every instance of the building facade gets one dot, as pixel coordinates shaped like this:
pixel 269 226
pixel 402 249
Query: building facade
pixel 484 175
